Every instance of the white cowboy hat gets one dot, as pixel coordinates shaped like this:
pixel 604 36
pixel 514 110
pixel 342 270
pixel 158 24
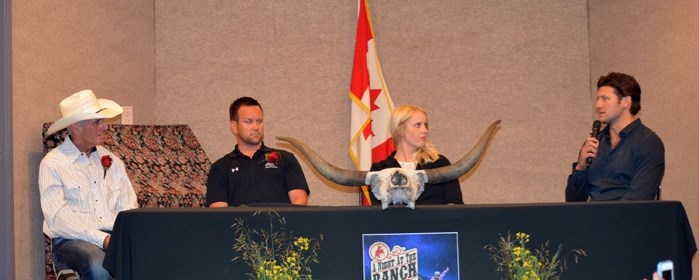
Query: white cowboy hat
pixel 83 105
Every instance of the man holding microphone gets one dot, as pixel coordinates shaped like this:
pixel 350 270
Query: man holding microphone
pixel 626 160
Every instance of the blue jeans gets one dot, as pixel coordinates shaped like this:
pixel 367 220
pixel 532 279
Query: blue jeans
pixel 81 256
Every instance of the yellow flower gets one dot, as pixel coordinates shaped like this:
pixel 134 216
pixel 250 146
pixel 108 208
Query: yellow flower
pixel 517 250
pixel 522 236
pixel 302 243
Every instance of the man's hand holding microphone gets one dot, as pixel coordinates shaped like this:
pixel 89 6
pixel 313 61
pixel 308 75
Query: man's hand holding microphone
pixel 589 148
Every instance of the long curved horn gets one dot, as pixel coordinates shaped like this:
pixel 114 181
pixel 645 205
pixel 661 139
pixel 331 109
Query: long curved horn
pixel 455 170
pixel 332 173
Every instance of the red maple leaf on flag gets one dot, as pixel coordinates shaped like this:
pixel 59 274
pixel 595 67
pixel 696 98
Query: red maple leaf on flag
pixel 373 94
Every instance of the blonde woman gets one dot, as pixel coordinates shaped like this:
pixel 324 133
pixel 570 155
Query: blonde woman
pixel 409 129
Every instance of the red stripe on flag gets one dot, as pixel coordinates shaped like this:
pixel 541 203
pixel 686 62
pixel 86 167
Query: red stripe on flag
pixel 360 72
pixel 382 151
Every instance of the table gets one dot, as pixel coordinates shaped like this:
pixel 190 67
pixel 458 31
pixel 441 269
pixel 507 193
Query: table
pixel 624 240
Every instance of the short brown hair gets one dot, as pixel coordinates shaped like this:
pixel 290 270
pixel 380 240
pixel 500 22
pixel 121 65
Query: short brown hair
pixel 624 85
pixel 243 101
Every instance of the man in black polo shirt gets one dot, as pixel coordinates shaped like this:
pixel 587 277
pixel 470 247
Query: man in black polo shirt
pixel 253 172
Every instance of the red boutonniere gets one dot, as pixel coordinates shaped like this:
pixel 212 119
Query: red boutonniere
pixel 272 157
pixel 106 164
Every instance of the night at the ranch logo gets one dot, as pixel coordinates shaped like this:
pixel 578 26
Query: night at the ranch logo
pixel 411 256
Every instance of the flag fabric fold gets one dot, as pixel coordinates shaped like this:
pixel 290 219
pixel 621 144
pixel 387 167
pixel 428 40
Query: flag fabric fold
pixel 370 139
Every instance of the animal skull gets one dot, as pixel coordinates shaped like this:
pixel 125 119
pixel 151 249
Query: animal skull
pixel 396 185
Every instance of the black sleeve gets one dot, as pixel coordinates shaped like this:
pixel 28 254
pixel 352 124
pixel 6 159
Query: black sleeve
pixel 294 174
pixel 577 189
pixel 376 167
pixel 451 190
pixel 650 168
pixel 216 190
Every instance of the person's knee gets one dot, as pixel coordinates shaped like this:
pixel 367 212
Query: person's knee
pixel 97 271
pixel 94 259
pixel 83 257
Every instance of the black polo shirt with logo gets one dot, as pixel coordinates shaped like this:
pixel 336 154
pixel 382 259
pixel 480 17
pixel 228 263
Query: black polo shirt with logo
pixel 239 180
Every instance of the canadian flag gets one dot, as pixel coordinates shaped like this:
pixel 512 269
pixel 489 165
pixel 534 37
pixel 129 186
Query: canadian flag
pixel 370 140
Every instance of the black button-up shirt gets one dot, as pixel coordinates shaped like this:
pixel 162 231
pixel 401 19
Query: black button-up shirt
pixel 633 170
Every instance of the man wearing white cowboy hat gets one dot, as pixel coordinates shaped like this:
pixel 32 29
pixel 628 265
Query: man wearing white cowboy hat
pixel 83 186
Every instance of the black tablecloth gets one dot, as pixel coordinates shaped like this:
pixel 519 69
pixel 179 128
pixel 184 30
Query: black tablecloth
pixel 624 240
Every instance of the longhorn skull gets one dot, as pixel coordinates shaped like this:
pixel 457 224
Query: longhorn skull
pixel 396 185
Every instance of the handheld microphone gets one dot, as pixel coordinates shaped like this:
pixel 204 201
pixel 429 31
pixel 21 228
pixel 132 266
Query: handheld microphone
pixel 595 130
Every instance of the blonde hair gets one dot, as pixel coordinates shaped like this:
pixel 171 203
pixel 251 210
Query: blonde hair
pixel 399 117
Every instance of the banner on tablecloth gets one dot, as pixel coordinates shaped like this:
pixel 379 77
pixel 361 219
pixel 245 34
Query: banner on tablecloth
pixel 411 256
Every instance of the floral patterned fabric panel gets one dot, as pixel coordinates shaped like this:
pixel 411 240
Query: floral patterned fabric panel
pixel 166 164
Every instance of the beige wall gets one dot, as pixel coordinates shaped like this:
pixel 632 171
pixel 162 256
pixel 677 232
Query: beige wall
pixel 529 63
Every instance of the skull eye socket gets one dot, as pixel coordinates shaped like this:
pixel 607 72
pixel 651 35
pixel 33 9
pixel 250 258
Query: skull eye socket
pixel 398 179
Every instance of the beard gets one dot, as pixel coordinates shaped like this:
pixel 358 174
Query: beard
pixel 252 140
